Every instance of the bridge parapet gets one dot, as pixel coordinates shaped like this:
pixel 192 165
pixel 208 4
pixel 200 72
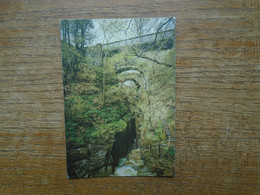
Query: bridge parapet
pixel 161 36
pixel 123 69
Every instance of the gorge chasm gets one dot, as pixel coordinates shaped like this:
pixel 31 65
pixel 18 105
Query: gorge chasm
pixel 120 108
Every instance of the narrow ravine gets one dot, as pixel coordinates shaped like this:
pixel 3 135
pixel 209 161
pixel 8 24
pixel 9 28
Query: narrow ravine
pixel 132 165
pixel 126 154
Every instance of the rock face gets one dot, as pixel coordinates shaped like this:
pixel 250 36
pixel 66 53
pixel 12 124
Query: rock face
pixel 132 165
pixel 123 142
pixel 102 155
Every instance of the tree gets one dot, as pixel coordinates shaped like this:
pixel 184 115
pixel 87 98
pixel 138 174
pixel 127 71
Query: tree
pixel 141 26
pixel 81 35
pixel 99 101
pixel 65 29
pixel 109 28
pixel 75 35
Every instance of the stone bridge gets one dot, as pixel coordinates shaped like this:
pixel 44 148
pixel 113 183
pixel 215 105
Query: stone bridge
pixel 129 75
pixel 162 36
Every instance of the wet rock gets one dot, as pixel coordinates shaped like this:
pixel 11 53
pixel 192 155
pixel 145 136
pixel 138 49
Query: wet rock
pixel 125 171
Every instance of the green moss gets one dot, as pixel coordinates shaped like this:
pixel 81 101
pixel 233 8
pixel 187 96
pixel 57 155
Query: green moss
pixel 110 128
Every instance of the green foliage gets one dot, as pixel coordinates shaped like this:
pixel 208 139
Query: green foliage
pixel 155 136
pixel 149 136
pixel 170 58
pixel 120 59
pixel 159 134
pixel 91 115
pixel 97 107
pixel 110 128
pixel 71 59
pixel 172 152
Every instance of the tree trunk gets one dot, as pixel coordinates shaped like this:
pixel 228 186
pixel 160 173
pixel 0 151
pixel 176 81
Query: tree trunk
pixel 159 149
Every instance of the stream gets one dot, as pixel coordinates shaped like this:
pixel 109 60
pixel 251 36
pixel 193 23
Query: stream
pixel 126 154
pixel 132 165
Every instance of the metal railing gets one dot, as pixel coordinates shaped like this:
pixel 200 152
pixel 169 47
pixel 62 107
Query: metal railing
pixel 141 40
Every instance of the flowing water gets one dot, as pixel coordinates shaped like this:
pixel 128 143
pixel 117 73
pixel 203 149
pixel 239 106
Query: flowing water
pixel 132 166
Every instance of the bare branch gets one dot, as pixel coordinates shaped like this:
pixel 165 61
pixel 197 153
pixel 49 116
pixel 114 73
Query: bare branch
pixel 160 29
pixel 129 25
pixel 153 60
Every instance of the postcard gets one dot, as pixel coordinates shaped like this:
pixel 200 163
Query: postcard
pixel 119 96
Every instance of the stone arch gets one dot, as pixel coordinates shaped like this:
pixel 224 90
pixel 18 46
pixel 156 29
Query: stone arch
pixel 129 68
pixel 134 81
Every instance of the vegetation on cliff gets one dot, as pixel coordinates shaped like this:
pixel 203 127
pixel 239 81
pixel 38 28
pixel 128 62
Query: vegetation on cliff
pixel 118 94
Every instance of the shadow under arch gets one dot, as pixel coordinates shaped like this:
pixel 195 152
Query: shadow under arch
pixel 134 81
